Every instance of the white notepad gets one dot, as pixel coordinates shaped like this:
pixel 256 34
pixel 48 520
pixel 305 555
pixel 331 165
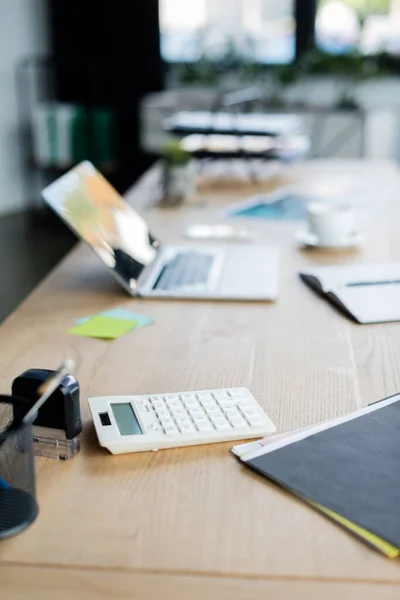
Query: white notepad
pixel 368 293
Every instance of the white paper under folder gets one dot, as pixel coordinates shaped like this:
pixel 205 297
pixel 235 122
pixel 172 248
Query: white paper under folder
pixel 368 293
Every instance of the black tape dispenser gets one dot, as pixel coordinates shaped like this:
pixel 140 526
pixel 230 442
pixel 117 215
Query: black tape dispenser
pixel 58 426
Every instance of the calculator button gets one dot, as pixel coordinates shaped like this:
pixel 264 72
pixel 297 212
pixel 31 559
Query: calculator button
pixel 191 403
pixel 142 401
pixel 170 397
pixel 232 412
pixel 155 427
pixel 167 420
pixel 243 403
pixel 188 396
pixel 236 392
pixel 201 420
pixel 218 417
pixel 221 424
pixel 178 412
pixel 157 403
pixel 171 430
pixel 238 423
pixel 225 404
pixel 214 413
pixel 254 421
pixel 173 403
pixel 182 419
pixel 143 409
pixel 204 425
pixel 205 396
pixel 163 412
pixel 196 413
pixel 221 395
pixel 248 411
pixel 186 428
pixel 209 405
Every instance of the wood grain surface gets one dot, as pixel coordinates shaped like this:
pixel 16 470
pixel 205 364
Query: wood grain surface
pixel 45 583
pixel 193 522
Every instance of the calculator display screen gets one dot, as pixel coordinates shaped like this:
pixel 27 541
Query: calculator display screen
pixel 126 420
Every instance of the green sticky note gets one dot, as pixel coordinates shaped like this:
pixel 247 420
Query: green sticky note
pixel 105 328
pixel 121 313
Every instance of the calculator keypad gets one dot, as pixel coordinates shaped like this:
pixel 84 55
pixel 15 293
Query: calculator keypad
pixel 201 412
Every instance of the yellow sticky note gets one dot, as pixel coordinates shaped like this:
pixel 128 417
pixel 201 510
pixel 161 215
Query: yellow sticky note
pixel 105 328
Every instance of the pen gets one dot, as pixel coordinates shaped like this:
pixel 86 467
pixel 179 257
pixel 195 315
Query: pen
pixel 363 283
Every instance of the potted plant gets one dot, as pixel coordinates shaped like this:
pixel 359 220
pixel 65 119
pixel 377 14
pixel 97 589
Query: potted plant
pixel 179 176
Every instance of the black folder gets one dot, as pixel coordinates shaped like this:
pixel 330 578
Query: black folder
pixel 351 468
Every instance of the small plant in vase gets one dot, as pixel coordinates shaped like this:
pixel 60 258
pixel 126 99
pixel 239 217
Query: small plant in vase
pixel 179 177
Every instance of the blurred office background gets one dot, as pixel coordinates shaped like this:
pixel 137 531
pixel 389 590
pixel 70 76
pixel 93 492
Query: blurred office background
pixel 96 79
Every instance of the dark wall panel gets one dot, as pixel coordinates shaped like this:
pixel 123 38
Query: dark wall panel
pixel 107 52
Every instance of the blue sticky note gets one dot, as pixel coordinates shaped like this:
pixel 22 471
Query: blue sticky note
pixel 290 207
pixel 284 204
pixel 123 314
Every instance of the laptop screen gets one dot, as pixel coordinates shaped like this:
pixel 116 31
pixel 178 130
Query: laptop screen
pixel 97 213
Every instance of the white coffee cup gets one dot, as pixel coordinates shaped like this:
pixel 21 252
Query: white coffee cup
pixel 333 224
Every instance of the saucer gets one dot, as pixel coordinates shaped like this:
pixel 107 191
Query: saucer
pixel 309 240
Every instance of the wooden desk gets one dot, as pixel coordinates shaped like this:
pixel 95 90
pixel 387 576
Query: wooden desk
pixel 193 523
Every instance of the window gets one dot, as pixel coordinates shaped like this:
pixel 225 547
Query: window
pixel 369 26
pixel 263 31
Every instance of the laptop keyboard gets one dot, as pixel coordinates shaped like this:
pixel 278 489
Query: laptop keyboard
pixel 186 268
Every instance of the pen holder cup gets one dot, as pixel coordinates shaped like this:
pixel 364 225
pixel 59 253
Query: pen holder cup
pixel 18 506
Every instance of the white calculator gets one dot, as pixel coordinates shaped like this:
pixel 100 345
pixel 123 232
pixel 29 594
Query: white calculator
pixel 137 423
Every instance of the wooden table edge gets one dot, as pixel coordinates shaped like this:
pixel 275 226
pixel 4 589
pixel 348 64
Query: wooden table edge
pixel 18 581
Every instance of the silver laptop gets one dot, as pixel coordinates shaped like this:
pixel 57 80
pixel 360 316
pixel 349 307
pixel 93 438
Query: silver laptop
pixel 95 211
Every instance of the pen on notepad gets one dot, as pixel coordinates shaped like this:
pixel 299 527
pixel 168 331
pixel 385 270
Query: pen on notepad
pixel 361 283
